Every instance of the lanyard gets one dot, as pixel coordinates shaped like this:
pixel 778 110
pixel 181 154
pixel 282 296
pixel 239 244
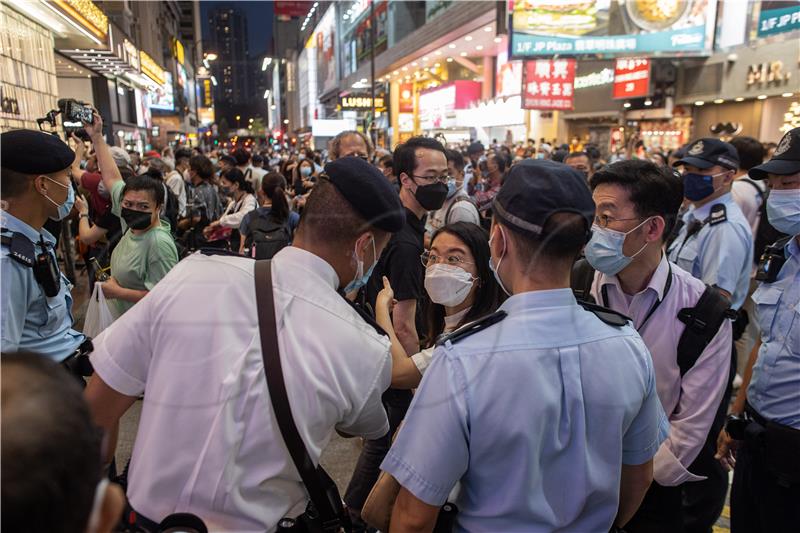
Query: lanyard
pixel 667 285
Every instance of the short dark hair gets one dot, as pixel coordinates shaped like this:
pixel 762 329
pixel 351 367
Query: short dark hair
pixel 241 156
pixel 500 160
pixel 562 239
pixel 653 190
pixel 329 218
pixel 13 183
pixel 456 158
pixel 51 457
pixel 202 166
pixel 751 151
pixel 405 158
pixel 573 155
pixel 146 182
pixel 387 161
pixel 181 154
pixel 559 155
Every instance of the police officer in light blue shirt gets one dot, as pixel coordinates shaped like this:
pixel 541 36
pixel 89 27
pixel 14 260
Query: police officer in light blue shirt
pixel 765 419
pixel 546 412
pixel 34 294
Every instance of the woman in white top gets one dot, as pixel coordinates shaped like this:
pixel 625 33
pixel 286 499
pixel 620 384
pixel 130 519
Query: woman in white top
pixel 234 186
pixel 461 287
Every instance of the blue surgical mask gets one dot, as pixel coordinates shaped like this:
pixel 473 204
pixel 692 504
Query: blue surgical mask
pixel 604 249
pixel 362 277
pixel 697 187
pixel 305 171
pixel 493 268
pixel 451 188
pixel 783 210
pixel 66 207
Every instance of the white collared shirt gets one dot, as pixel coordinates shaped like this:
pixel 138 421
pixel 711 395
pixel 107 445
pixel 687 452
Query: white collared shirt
pixel 208 442
pixel 691 401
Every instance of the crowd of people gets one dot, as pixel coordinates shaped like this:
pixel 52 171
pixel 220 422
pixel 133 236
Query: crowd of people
pixel 526 338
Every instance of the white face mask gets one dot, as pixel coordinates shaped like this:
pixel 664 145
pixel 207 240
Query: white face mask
pixel 448 285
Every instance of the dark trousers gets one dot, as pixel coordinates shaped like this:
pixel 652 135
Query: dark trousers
pixel 661 511
pixel 703 501
pixel 396 403
pixel 759 503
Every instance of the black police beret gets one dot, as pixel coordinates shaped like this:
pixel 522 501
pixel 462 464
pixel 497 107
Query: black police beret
pixel 368 191
pixel 34 152
pixel 536 189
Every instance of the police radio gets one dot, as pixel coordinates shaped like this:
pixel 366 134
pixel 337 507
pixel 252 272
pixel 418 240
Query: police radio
pixel 772 261
pixel 45 269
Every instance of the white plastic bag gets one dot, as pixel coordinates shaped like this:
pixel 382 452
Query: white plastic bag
pixel 98 314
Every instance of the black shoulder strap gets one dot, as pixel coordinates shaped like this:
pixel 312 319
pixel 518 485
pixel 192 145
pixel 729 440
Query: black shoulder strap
pixel 20 248
pixel 754 185
pixel 702 324
pixel 609 316
pixel 473 327
pixel 270 353
pixel 718 215
pixel 582 279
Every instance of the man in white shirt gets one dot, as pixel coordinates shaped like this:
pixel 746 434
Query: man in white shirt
pixel 748 193
pixel 208 441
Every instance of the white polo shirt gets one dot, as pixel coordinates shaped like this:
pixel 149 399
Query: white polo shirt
pixel 208 442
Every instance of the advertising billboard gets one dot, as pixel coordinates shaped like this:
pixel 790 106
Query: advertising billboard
pixel 611 27
pixel 163 97
pixel 549 84
pixel 325 39
pixel 778 16
pixel 631 78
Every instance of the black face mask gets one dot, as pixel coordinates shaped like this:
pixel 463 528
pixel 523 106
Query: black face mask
pixel 431 197
pixel 136 219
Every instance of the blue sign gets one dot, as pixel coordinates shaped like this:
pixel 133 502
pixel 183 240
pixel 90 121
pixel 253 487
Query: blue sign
pixel 774 21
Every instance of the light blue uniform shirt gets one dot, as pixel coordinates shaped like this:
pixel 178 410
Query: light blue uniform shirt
pixel 534 416
pixel 721 254
pixel 30 320
pixel 774 389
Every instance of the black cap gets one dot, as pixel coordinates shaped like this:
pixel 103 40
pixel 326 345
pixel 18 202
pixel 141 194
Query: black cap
pixel 707 152
pixel 368 191
pixel 475 148
pixel 785 160
pixel 536 189
pixel 34 152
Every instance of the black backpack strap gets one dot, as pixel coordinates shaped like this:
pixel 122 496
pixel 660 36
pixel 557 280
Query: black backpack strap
pixel 754 185
pixel 329 512
pixel 609 316
pixel 702 324
pixel 582 279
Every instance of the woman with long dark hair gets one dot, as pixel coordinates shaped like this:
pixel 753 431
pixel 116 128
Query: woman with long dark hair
pixel 241 201
pixel 461 288
pixel 273 214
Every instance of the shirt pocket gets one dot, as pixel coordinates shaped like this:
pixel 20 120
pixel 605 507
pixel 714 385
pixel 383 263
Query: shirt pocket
pixel 766 300
pixel 55 313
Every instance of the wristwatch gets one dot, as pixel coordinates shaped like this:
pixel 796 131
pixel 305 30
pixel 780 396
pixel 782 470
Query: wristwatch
pixel 82 215
pixel 735 425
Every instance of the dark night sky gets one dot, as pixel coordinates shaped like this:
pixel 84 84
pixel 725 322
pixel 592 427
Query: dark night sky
pixel 259 21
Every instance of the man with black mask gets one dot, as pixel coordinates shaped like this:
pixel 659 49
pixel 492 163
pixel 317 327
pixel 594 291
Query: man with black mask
pixel 421 167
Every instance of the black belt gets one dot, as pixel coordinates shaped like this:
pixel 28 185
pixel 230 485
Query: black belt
pixel 78 361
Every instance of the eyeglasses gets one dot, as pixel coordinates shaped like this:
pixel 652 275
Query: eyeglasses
pixel 604 220
pixel 435 179
pixel 429 259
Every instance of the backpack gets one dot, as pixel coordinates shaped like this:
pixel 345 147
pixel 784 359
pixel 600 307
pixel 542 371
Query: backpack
pixel 702 321
pixel 171 209
pixel 267 237
pixel 459 199
pixel 766 234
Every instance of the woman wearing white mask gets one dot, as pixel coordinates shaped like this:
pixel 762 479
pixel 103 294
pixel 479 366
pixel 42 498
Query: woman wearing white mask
pixel 461 287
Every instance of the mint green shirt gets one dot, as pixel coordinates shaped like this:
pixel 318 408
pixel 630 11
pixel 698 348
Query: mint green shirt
pixel 140 261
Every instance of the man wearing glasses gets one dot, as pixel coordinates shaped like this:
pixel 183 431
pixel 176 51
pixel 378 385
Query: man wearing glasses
pixel 421 167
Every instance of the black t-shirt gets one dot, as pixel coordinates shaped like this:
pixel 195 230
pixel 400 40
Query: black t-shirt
pixel 401 263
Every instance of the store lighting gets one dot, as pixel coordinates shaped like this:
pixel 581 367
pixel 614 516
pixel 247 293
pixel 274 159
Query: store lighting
pixel 468 38
pixel 762 97
pixel 479 47
pixel 739 99
pixel 498 39
pixel 214 81
pixel 265 63
pixel 787 95
pixel 211 56
pixel 699 103
pixel 425 58
pixel 286 121
pixel 405 69
pixel 451 45
pixel 487 29
pixel 273 107
pixel 414 64
pixel 437 65
pixel 438 52
pixel 626 105
pixel 648 102
pixel 449 59
pixel 266 94
pixel 396 72
pixel 463 54
pixel 719 101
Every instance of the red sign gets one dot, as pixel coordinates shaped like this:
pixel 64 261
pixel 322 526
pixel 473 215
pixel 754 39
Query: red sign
pixel 549 84
pixel 290 9
pixel 631 78
pixel 406 98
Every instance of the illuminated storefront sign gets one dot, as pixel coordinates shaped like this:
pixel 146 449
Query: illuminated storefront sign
pixel 177 49
pixel 86 14
pixel 549 84
pixel 208 96
pixel 595 79
pixel 360 102
pixel 131 54
pixel 151 69
pixel 437 107
pixel 631 78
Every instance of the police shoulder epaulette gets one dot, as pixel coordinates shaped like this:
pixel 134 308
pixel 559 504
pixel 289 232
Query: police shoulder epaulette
pixel 609 316
pixel 20 248
pixel 221 251
pixel 367 316
pixel 719 214
pixel 473 327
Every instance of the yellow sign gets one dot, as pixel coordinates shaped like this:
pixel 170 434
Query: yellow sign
pixel 360 102
pixel 208 97
pixel 151 69
pixel 179 53
pixel 87 14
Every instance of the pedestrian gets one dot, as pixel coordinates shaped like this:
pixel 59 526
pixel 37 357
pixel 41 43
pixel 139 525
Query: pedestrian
pixel 421 166
pixel 208 441
pixel 762 434
pixel 577 455
pixel 203 204
pixel 271 227
pixel 581 162
pixel 458 207
pixel 715 245
pixel 637 205
pixel 472 172
pixel 351 143
pixel 36 300
pixel 241 200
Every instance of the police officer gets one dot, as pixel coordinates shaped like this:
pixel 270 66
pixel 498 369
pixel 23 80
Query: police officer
pixel 545 412
pixel 208 441
pixel 715 245
pixel 36 303
pixel 762 435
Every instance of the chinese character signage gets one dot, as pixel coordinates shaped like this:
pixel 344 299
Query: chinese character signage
pixel 631 78
pixel 611 27
pixel 406 104
pixel 549 84
pixel 778 17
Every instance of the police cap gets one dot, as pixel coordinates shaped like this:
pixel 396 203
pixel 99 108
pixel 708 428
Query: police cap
pixel 707 152
pixel 34 152
pixel 368 191
pixel 536 189
pixel 785 160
